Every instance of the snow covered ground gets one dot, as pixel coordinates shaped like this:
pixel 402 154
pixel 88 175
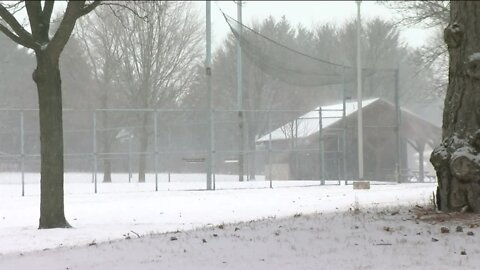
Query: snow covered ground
pixel 127 225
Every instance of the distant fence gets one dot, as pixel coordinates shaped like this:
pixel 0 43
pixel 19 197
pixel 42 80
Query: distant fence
pixel 272 145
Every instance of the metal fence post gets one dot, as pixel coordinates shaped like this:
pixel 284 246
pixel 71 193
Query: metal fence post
pixel 208 74
pixel 130 158
pixel 212 143
pixel 321 147
pixel 240 96
pixel 95 150
pixel 22 151
pixel 155 131
pixel 269 149
pixel 344 119
pixel 398 166
pixel 359 99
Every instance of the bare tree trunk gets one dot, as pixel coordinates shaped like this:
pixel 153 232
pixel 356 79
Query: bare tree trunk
pixel 107 164
pixel 142 161
pixel 251 147
pixel 49 88
pixel 241 142
pixel 421 169
pixel 457 158
pixel 47 78
pixel 106 141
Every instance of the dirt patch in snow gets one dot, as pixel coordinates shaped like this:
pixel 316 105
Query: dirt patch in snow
pixel 432 216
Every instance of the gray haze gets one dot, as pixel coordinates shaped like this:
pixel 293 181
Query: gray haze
pixel 136 98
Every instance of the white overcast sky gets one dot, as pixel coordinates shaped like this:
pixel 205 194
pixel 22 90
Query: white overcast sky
pixel 308 13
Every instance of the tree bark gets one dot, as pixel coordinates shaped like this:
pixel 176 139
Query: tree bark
pixel 241 146
pixel 252 158
pixel 107 167
pixel 251 145
pixel 106 141
pixel 49 88
pixel 457 158
pixel 421 169
pixel 47 78
pixel 142 162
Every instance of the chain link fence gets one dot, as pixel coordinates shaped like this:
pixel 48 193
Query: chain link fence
pixel 168 149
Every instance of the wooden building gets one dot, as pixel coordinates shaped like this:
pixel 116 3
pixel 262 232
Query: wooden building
pixel 298 145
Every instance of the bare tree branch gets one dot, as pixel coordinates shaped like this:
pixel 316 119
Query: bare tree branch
pixel 428 13
pixel 23 35
pixel 432 56
pixel 14 8
pixel 14 5
pixel 14 37
pixel 89 7
pixel 84 39
pixel 72 13
pixel 34 11
pixel 48 9
pixel 123 6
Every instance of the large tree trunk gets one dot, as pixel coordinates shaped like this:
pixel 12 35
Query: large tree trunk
pixel 47 78
pixel 457 158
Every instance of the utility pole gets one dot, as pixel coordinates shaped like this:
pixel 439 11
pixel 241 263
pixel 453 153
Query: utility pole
pixel 359 95
pixel 397 127
pixel 321 147
pixel 208 74
pixel 95 150
pixel 241 126
pixel 344 119
pixel 22 151
pixel 155 140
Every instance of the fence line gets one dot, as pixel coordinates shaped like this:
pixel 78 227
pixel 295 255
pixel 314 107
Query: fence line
pixel 175 139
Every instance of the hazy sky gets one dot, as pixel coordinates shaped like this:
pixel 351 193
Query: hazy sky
pixel 307 13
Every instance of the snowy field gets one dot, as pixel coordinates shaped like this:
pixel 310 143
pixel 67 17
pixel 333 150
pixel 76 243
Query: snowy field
pixel 295 225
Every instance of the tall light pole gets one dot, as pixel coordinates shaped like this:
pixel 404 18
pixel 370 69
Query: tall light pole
pixel 241 125
pixel 397 126
pixel 208 74
pixel 359 95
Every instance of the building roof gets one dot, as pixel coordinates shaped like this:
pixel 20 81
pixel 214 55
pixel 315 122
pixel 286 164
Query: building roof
pixel 413 127
pixel 308 123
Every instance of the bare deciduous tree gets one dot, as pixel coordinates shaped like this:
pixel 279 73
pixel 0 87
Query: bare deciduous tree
pixel 159 54
pixel 456 159
pixel 47 50
pixel 427 14
pixel 100 35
